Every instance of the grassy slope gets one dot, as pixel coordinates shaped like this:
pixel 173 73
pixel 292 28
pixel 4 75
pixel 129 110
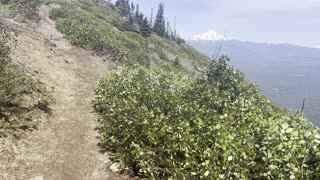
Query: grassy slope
pixel 96 25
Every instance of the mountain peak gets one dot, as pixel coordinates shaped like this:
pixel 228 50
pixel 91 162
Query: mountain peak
pixel 210 36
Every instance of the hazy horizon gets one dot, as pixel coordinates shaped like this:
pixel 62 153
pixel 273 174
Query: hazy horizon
pixel 287 21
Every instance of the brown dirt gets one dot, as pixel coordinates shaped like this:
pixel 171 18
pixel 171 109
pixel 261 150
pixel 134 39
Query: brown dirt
pixel 65 145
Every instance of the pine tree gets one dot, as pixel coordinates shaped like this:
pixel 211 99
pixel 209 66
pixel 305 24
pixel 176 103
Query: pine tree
pixel 140 18
pixel 123 6
pixel 132 7
pixel 160 23
pixel 145 29
pixel 179 40
pixel 151 19
pixel 131 20
pixel 137 12
pixel 172 37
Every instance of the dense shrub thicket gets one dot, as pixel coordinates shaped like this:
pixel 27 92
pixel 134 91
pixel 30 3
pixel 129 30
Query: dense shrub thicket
pixel 218 126
pixel 15 86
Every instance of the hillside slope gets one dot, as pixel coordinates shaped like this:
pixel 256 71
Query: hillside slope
pixel 156 122
pixel 92 24
pixel 65 145
pixel 285 73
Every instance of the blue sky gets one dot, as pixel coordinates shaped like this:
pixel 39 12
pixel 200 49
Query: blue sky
pixel 277 21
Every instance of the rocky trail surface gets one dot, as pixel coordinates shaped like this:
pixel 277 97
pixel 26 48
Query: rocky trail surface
pixel 65 145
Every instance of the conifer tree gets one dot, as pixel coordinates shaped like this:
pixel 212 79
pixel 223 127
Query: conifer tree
pixel 172 37
pixel 160 24
pixel 132 7
pixel 145 29
pixel 151 19
pixel 179 40
pixel 140 18
pixel 137 12
pixel 131 20
pixel 123 6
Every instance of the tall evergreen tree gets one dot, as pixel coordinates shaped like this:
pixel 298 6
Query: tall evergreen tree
pixel 160 23
pixel 132 7
pixel 145 29
pixel 151 19
pixel 140 18
pixel 131 19
pixel 172 37
pixel 179 40
pixel 137 12
pixel 124 7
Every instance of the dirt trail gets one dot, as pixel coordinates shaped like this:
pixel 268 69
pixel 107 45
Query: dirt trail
pixel 65 145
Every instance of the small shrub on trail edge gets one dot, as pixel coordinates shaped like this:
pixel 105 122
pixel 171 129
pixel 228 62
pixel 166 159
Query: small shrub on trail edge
pixel 165 125
pixel 15 85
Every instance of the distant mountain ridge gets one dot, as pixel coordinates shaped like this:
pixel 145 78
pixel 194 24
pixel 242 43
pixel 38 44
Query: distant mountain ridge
pixel 212 35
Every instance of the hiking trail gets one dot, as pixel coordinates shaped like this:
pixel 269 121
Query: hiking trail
pixel 65 146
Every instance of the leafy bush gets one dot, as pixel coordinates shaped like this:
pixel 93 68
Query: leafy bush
pixel 15 86
pixel 176 61
pixel 162 54
pixel 166 125
pixel 125 26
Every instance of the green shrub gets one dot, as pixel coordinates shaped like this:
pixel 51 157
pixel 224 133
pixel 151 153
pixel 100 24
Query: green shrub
pixel 15 86
pixel 87 3
pixel 9 79
pixel 125 26
pixel 165 125
pixel 162 54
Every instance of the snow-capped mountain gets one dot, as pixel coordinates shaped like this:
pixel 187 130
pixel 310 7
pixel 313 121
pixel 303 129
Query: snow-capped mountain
pixel 210 36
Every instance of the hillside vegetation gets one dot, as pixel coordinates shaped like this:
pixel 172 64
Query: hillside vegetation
pixel 215 126
pixel 99 26
pixel 164 124
pixel 156 118
pixel 20 95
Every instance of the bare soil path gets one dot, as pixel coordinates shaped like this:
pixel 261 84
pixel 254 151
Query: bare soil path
pixel 65 145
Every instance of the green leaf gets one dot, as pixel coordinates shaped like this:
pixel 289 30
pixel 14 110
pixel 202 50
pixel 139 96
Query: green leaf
pixel 285 125
pixel 289 130
pixel 273 167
